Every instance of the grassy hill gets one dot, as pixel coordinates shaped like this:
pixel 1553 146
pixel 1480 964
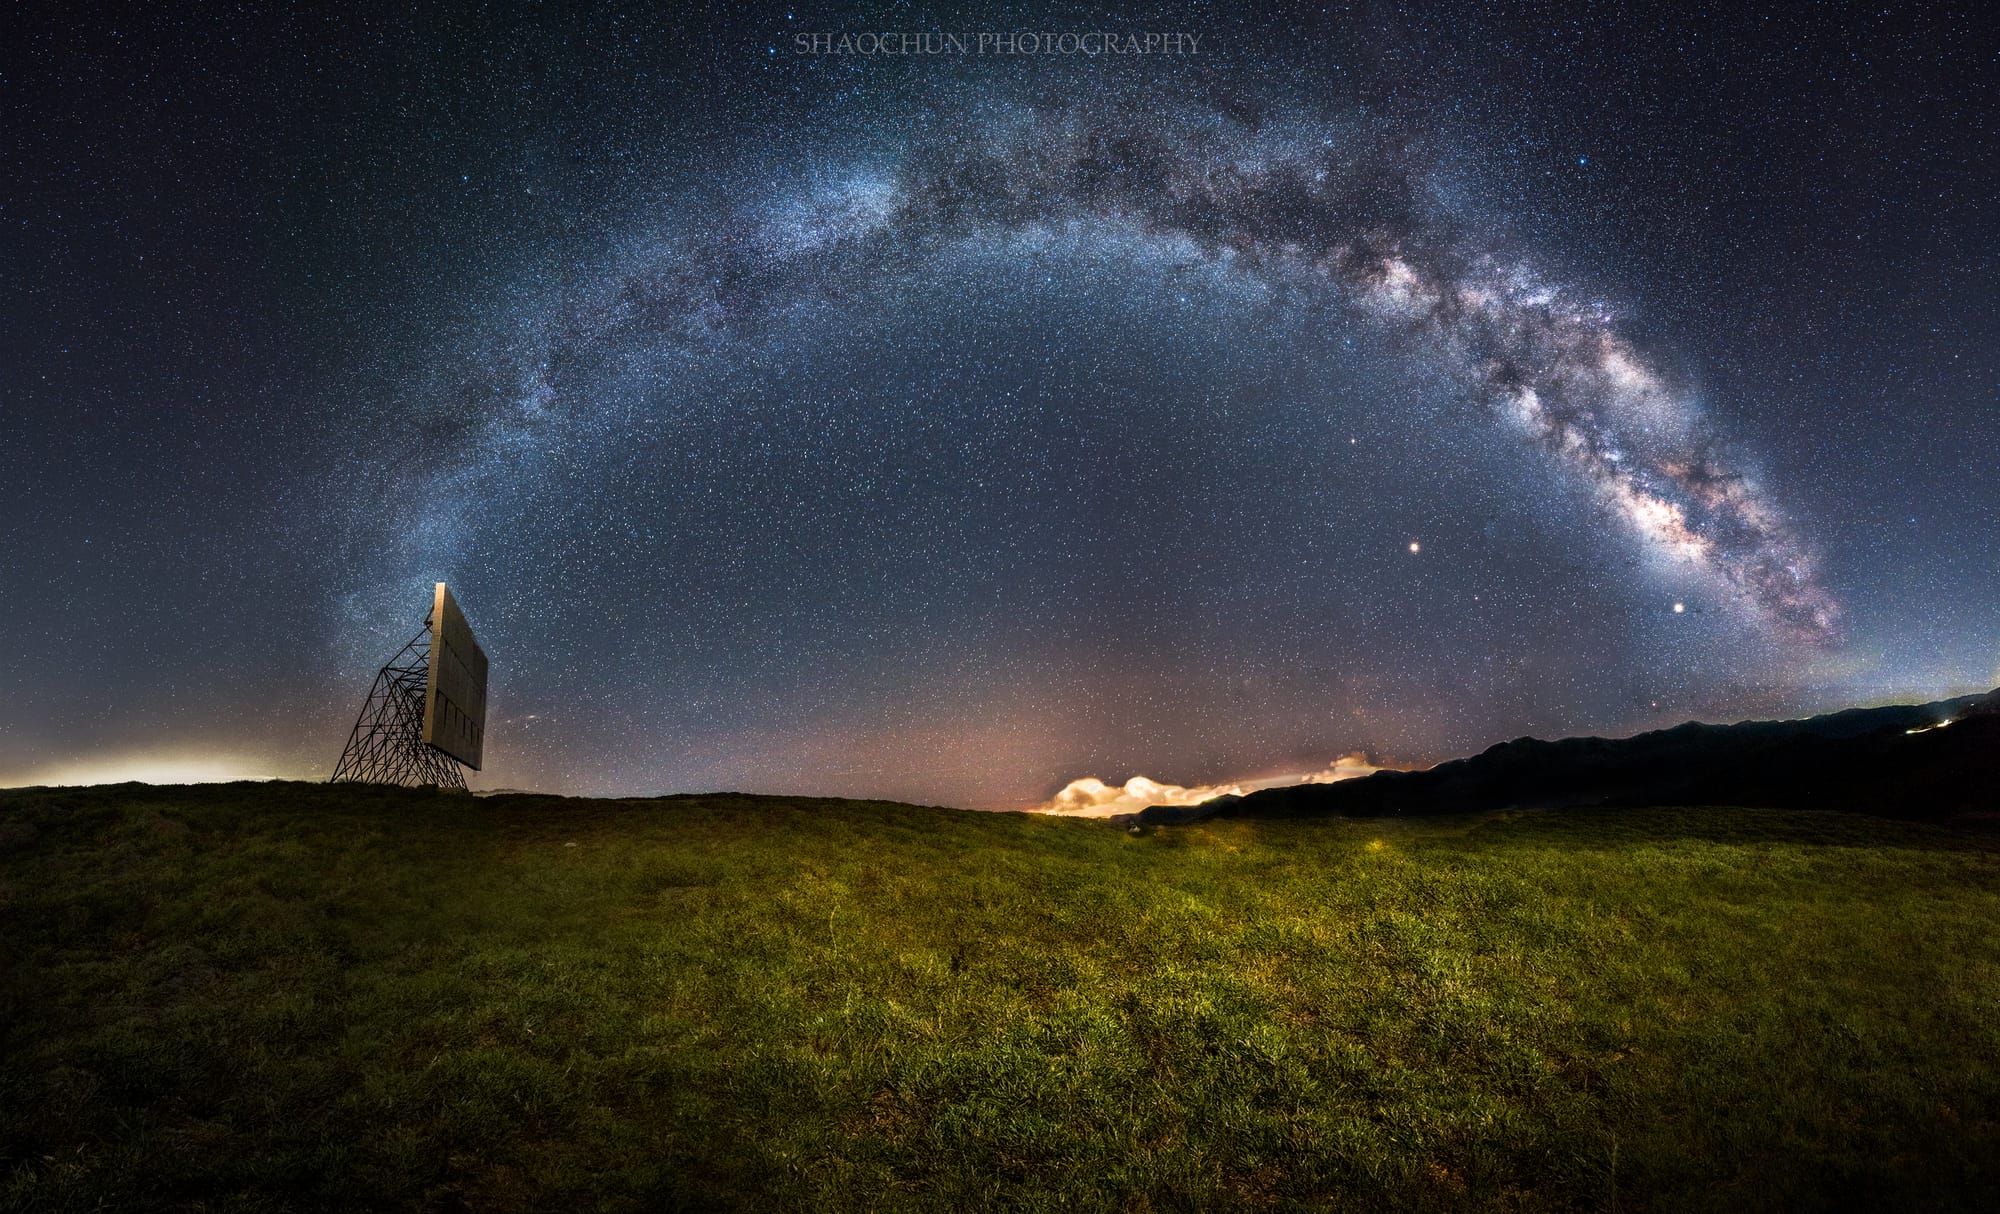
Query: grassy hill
pixel 293 996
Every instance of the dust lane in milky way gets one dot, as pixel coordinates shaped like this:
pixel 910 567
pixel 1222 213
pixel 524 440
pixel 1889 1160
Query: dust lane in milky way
pixel 1340 207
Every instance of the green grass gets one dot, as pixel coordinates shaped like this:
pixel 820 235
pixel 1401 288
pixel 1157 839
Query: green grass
pixel 289 996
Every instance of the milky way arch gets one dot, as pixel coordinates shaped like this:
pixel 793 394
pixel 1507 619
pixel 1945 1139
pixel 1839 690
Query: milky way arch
pixel 1338 212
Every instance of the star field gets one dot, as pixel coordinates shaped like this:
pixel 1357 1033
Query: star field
pixel 947 428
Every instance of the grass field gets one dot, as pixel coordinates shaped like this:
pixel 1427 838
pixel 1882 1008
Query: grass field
pixel 245 997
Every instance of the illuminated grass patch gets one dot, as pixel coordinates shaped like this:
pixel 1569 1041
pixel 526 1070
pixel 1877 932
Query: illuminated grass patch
pixel 267 996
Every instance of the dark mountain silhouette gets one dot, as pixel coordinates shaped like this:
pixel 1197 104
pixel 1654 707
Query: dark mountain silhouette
pixel 1923 761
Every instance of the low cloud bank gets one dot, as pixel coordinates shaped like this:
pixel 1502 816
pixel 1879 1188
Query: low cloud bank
pixel 1091 797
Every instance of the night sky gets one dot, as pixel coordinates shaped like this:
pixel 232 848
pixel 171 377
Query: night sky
pixel 948 427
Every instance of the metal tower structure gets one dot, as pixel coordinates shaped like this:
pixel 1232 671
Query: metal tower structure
pixel 387 744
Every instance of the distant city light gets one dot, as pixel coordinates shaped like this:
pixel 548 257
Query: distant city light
pixel 147 767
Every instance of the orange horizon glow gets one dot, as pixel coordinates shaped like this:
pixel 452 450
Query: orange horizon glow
pixel 1090 797
pixel 147 767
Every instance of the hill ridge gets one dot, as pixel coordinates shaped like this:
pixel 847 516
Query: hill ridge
pixel 1931 762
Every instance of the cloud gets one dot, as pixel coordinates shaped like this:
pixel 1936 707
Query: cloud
pixel 1091 797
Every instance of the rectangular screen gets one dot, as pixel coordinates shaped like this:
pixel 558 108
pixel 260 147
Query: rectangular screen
pixel 455 703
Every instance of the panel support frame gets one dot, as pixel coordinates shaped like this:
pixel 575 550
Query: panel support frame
pixel 386 745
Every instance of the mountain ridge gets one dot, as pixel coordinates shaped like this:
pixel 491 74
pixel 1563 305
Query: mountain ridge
pixel 1930 762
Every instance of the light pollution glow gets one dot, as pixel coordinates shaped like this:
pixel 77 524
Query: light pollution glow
pixel 145 767
pixel 1091 797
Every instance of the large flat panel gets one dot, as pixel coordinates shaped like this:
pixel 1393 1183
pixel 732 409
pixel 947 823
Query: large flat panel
pixel 455 704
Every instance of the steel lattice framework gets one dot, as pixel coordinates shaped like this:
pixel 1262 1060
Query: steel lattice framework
pixel 387 745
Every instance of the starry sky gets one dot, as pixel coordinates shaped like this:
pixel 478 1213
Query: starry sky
pixel 1369 381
